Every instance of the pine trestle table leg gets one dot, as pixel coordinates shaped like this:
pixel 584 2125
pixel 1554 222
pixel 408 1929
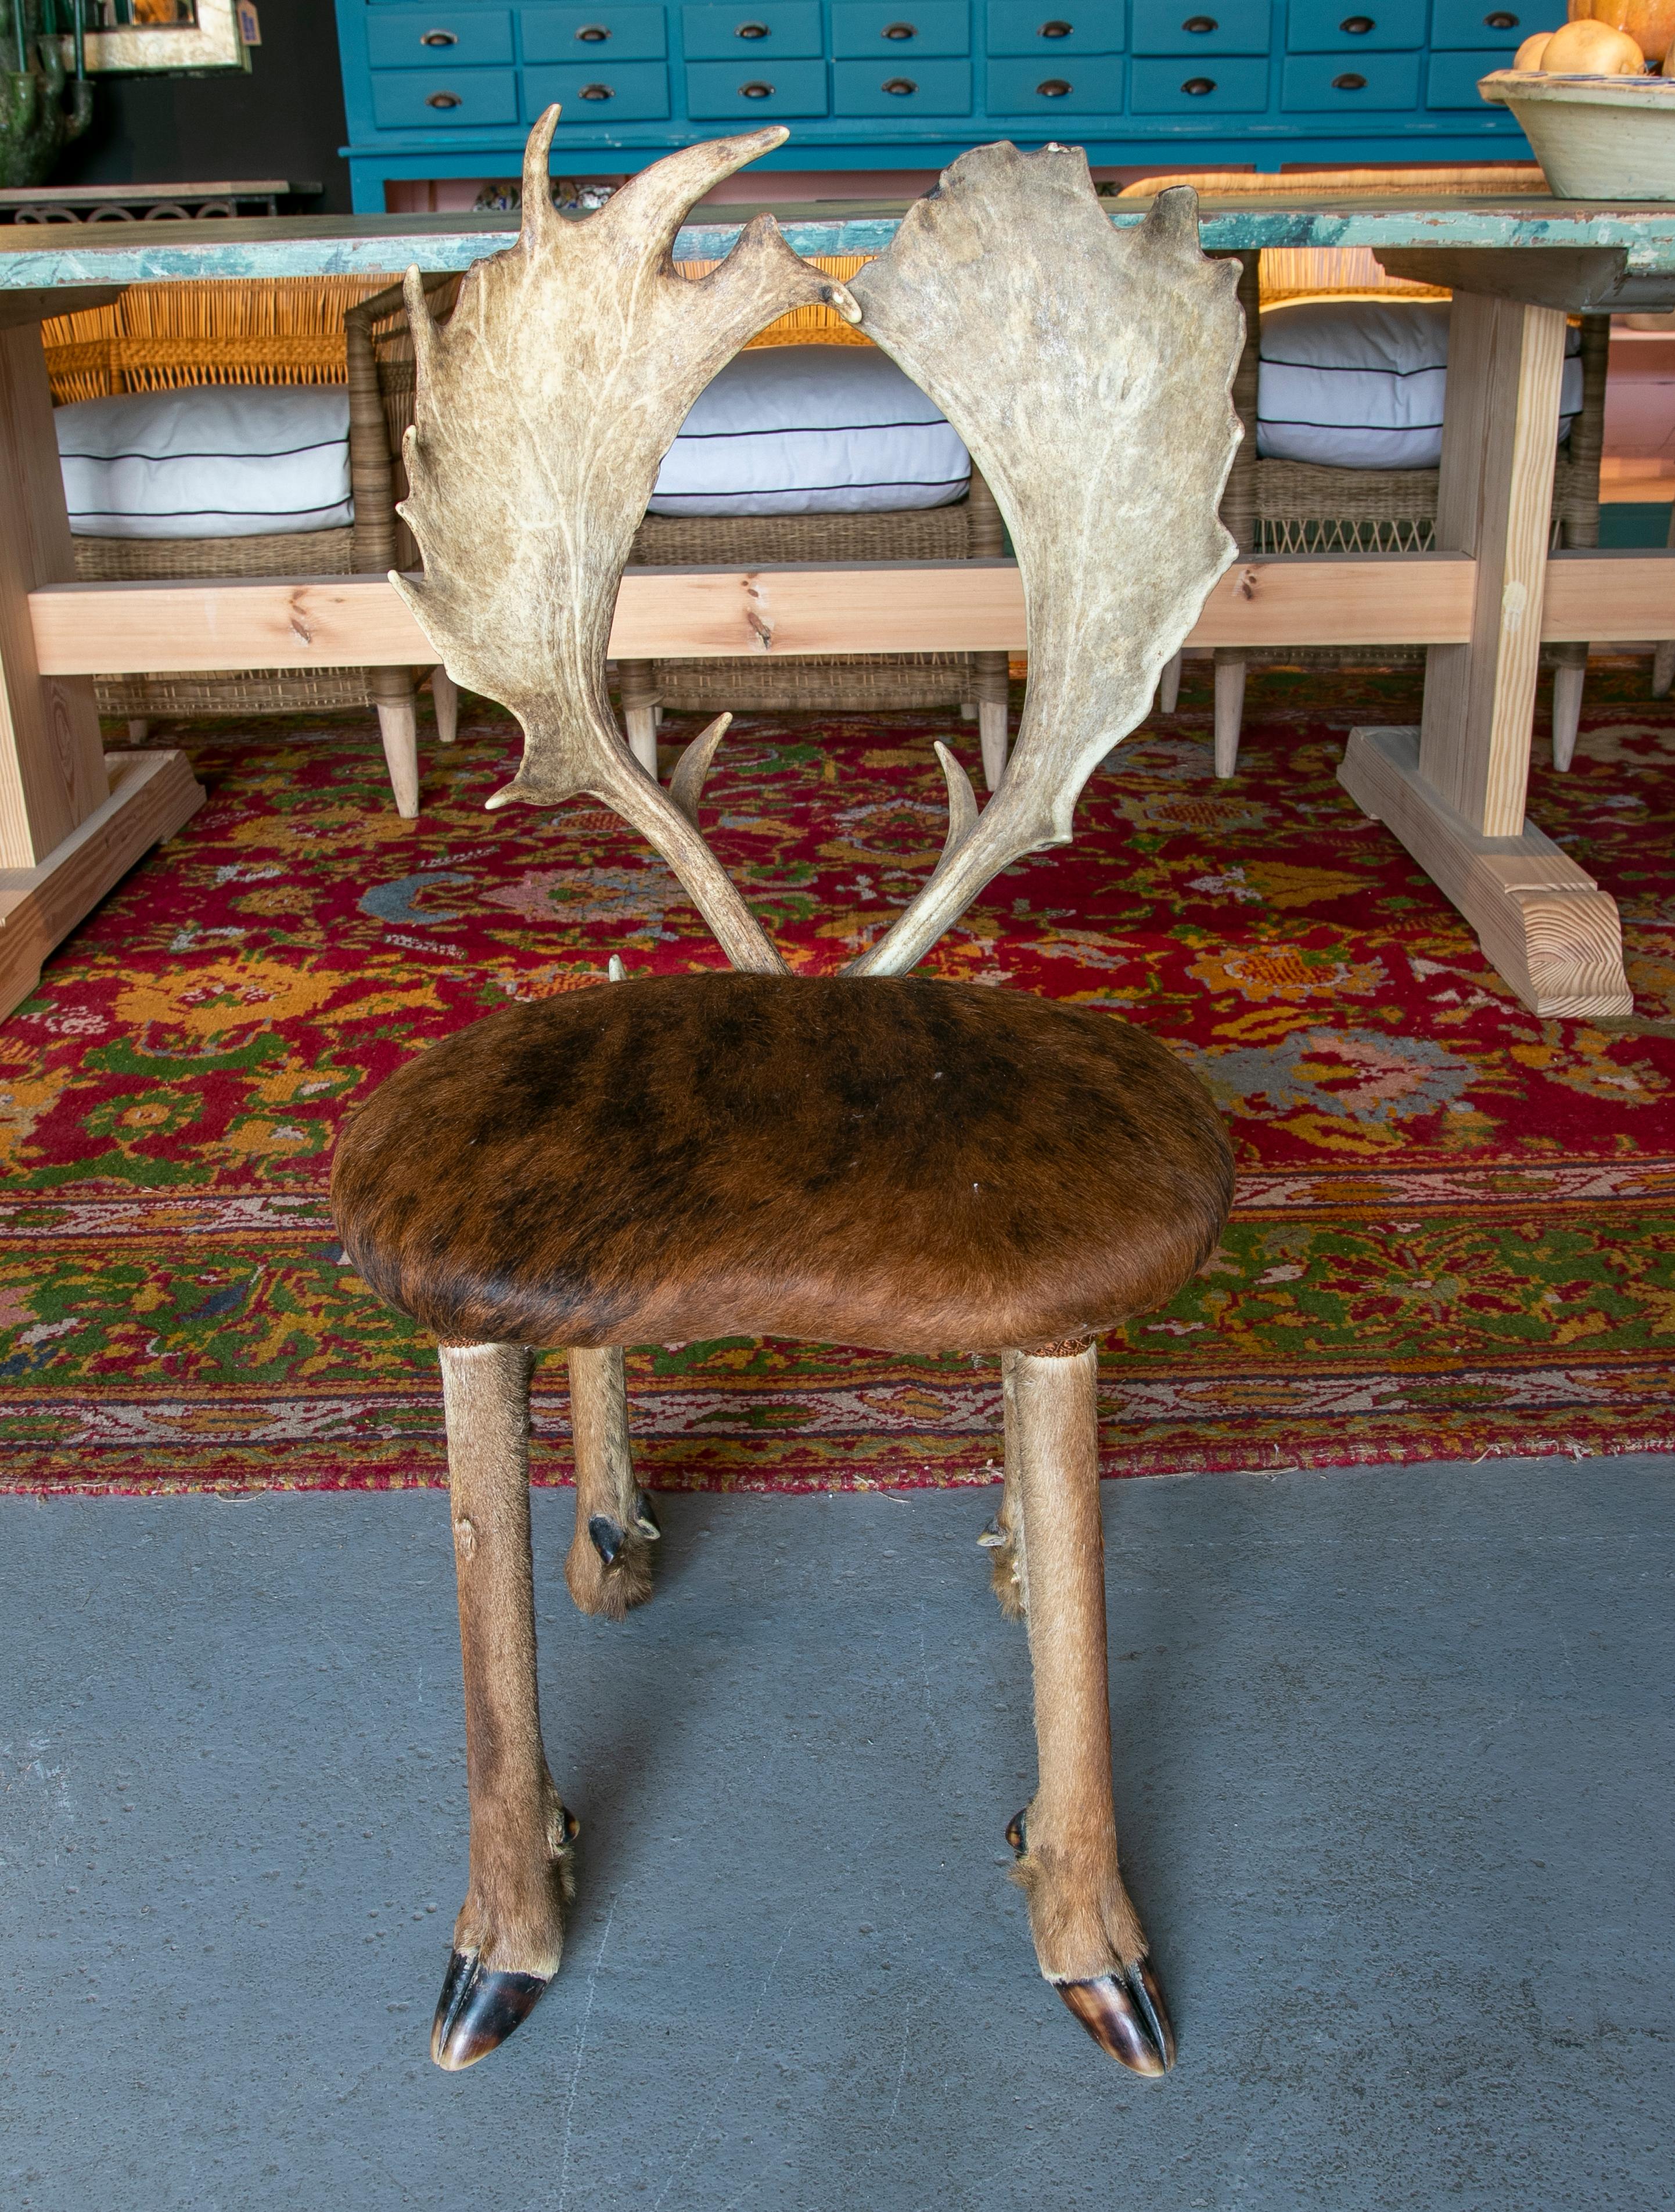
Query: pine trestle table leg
pixel 73 820
pixel 1453 790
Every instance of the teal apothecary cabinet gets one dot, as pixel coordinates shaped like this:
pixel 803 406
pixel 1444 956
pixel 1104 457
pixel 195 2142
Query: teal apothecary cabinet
pixel 450 91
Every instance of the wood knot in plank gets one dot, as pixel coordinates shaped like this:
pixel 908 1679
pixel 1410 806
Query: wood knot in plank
pixel 756 617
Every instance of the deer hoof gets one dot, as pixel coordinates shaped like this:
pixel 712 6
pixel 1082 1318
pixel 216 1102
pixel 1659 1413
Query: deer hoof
pixel 607 1536
pixel 1126 2016
pixel 645 1519
pixel 478 2009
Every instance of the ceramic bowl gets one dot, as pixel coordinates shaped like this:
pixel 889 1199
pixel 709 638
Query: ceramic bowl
pixel 1596 137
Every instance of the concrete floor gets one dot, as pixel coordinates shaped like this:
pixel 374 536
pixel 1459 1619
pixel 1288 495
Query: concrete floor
pixel 1395 1778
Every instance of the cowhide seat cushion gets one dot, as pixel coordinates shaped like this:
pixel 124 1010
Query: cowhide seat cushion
pixel 898 1163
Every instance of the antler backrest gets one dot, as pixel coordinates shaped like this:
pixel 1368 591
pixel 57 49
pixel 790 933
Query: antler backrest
pixel 1089 371
pixel 544 407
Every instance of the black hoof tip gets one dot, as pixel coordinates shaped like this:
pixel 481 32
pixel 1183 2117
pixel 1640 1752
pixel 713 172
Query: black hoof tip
pixel 478 2009
pixel 645 1519
pixel 1126 2017
pixel 1014 1832
pixel 993 1536
pixel 607 1536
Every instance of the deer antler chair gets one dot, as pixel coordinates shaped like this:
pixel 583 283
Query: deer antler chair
pixel 869 1158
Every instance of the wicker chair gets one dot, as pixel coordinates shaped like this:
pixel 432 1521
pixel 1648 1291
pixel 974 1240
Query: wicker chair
pixel 1295 507
pixel 159 338
pixel 380 379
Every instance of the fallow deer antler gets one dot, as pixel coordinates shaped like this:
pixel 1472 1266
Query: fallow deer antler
pixel 1089 370
pixel 538 430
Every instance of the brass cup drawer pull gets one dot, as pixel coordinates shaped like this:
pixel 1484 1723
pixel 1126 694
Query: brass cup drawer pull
pixel 439 38
pixel 1349 83
pixel 901 30
pixel 593 34
pixel 1201 25
pixel 1053 87
pixel 902 86
pixel 444 100
pixel 752 31
pixel 755 90
pixel 598 92
pixel 1197 86
pixel 1058 28
pixel 1357 27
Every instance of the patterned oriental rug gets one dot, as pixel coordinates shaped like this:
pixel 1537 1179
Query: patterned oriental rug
pixel 1452 1234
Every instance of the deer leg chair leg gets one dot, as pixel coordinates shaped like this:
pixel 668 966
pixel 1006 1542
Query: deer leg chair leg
pixel 1003 1537
pixel 1229 711
pixel 1568 679
pixel 1168 689
pixel 510 1930
pixel 609 1566
pixel 1088 1935
pixel 445 696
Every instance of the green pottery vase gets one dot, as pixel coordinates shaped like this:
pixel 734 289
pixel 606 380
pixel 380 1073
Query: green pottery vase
pixel 42 106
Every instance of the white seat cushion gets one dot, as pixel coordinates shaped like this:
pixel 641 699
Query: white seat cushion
pixel 209 461
pixel 1357 383
pixel 811 430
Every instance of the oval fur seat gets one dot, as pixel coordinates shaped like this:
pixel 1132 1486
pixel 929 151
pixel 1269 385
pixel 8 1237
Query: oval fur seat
pixel 894 1162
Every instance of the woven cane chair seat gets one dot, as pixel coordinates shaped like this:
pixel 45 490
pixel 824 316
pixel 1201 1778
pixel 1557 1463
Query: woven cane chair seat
pixel 894 1162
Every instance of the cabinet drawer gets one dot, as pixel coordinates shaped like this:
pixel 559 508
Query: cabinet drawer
pixel 766 88
pixel 1044 28
pixel 881 88
pixel 600 92
pixel 1218 26
pixel 1452 81
pixel 463 99
pixel 1332 27
pixel 1349 84
pixel 583 35
pixel 1214 87
pixel 750 34
pixel 1474 26
pixel 1047 87
pixel 866 27
pixel 438 38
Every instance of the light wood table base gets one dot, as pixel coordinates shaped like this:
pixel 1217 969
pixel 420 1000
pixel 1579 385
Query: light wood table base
pixel 152 793
pixel 1541 920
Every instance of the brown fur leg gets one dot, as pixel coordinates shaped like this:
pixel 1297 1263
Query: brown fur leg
pixel 1004 1536
pixel 510 1930
pixel 608 1567
pixel 1084 1926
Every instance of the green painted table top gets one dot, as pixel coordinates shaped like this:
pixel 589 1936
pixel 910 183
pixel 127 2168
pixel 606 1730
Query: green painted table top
pixel 42 257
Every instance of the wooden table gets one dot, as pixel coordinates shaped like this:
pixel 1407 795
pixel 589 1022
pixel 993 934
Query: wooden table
pixel 73 820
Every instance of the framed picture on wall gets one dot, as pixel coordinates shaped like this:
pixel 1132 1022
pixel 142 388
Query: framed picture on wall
pixel 125 36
